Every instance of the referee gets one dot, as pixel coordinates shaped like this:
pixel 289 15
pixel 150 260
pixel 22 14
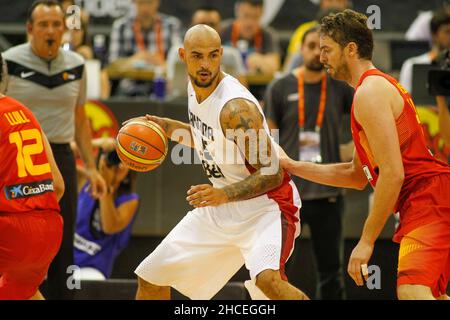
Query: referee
pixel 52 83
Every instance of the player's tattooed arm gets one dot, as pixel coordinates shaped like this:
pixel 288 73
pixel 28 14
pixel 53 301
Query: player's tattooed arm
pixel 242 122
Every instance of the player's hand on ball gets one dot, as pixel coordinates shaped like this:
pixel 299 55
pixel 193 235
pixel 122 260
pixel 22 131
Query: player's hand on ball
pixel 162 122
pixel 143 118
pixel 205 195
pixel 357 265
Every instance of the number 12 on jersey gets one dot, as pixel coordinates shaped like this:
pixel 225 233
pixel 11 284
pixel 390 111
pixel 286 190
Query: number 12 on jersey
pixel 25 164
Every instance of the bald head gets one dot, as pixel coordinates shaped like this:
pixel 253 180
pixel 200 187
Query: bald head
pixel 201 35
pixel 202 54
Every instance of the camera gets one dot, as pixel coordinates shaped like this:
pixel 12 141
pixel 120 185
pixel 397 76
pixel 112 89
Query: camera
pixel 439 78
pixel 112 159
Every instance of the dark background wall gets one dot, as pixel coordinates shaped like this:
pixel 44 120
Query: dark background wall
pixel 396 15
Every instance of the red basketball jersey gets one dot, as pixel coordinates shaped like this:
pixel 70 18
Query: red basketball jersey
pixel 418 162
pixel 26 180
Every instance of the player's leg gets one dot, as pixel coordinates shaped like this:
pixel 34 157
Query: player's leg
pixel 196 258
pixel 149 291
pixel 271 283
pixel 414 292
pixel 266 248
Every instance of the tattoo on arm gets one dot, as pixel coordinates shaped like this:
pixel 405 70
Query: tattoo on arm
pixel 242 122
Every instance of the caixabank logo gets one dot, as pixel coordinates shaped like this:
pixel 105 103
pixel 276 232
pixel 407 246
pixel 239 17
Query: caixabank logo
pixel 26 190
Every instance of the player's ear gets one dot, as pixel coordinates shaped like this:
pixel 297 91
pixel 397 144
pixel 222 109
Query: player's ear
pixel 182 54
pixel 29 27
pixel 352 49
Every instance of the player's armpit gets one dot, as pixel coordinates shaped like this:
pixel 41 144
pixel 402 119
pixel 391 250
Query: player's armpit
pixel 243 123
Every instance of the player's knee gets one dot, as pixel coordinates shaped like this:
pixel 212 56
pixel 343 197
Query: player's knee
pixel 267 281
pixel 414 292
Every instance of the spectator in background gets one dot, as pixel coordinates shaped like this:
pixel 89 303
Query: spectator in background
pixel 325 7
pixel 259 47
pixel 143 40
pixel 440 30
pixel 420 28
pixel 307 106
pixel 76 39
pixel 52 83
pixel 231 59
pixel 103 227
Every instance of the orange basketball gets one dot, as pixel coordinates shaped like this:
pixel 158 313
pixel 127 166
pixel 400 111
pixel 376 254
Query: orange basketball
pixel 141 145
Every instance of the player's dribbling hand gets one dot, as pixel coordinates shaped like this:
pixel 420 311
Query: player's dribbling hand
pixel 360 257
pixel 205 195
pixel 162 122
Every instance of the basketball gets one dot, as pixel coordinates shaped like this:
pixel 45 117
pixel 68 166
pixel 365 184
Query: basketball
pixel 141 145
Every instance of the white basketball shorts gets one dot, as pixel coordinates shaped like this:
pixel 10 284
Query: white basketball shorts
pixel 209 245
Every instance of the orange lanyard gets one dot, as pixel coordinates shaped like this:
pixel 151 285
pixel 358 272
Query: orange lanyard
pixel 139 37
pixel 235 34
pixel 301 101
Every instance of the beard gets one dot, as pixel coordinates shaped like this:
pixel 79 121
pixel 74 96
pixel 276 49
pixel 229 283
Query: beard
pixel 201 84
pixel 341 71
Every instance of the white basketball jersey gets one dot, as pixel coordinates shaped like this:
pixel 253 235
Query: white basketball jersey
pixel 223 162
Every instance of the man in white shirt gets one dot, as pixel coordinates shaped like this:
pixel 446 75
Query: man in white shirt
pixel 440 30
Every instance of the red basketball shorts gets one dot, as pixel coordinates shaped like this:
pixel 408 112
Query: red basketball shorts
pixel 28 243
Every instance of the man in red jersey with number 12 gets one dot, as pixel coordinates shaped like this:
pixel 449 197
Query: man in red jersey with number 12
pixel 31 185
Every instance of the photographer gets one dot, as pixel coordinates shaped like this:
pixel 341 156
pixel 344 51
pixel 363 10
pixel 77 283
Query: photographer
pixel 103 226
pixel 444 119
pixel 440 30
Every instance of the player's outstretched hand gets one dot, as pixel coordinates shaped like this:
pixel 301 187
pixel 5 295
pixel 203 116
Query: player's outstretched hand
pixel 205 195
pixel 357 265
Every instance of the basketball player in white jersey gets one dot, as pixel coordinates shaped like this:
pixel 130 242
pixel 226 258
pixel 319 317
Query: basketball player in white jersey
pixel 247 215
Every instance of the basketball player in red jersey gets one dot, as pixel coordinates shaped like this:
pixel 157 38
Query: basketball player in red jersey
pixel 391 153
pixel 31 186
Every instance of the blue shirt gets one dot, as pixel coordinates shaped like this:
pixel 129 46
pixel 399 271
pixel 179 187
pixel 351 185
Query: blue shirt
pixel 92 247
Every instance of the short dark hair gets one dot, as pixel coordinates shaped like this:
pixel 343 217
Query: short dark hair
pixel 47 3
pixel 309 31
pixel 207 7
pixel 349 26
pixel 440 18
pixel 255 3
